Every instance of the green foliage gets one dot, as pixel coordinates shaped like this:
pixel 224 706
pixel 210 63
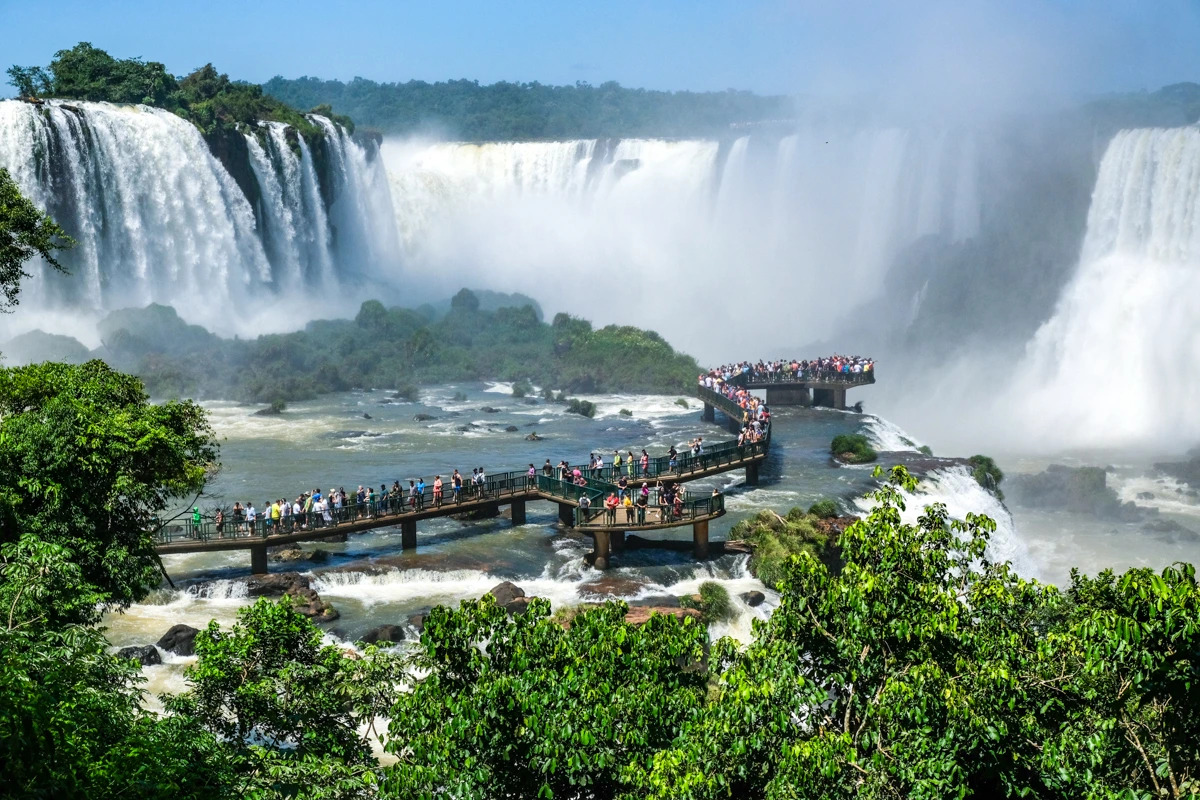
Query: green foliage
pixel 89 464
pixel 390 348
pixel 853 448
pixel 585 408
pixel 520 707
pixel 206 97
pixel 681 402
pixel 825 509
pixel 465 300
pixel 522 388
pixel 459 397
pixel 548 394
pixel 409 392
pixel 925 449
pixel 625 412
pixel 987 474
pixel 508 111
pixel 277 406
pixel 289 708
pixel 776 539
pixel 713 603
pixel 25 232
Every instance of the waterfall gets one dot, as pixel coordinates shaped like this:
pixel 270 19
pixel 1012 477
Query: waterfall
pixel 822 212
pixel 159 218
pixel 1117 364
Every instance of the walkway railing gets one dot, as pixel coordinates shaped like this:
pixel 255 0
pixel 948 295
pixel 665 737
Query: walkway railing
pixel 630 517
pixel 804 376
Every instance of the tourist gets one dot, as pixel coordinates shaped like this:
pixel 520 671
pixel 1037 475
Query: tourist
pixel 412 495
pixel 642 502
pixel 585 505
pixel 547 470
pixel 482 483
pixel 195 521
pixel 628 503
pixel 645 465
pixel 220 521
pixel 251 517
pixel 420 494
pixel 285 514
pixel 456 482
pixel 239 517
pixel 610 509
pixel 629 463
pixel 437 491
pixel 622 485
pixel 616 462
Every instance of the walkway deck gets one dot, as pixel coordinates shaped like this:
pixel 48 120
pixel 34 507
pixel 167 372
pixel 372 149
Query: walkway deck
pixel 515 489
pixel 826 390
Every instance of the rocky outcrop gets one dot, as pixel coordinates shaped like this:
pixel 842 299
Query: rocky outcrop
pixel 180 640
pixel 511 429
pixel 296 586
pixel 533 437
pixel 146 655
pixel 510 597
pixel 424 417
pixel 1082 490
pixel 639 615
pixel 753 599
pixel 417 621
pixel 293 554
pixel 385 634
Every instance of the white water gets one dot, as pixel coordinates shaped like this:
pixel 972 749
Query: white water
pixel 647 231
pixel 1118 365
pixel 159 219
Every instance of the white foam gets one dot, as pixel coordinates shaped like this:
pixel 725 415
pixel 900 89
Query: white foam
pixel 888 436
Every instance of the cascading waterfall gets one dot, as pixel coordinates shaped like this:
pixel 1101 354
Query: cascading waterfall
pixel 158 218
pixel 668 222
pixel 1117 364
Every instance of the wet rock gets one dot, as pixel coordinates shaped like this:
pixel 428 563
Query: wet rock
pixel 533 437
pixel 292 554
pixel 417 621
pixel 277 584
pixel 490 410
pixel 511 429
pixel 146 655
pixel 531 425
pixel 739 547
pixel 656 601
pixel 611 587
pixel 834 526
pixel 531 401
pixel 384 634
pixel 180 640
pixel 424 417
pixel 1083 490
pixel 1145 495
pixel 639 615
pixel 753 599
pixel 510 597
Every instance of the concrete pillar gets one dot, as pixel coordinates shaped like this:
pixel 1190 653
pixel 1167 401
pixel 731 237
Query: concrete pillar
pixel 566 515
pixel 488 510
pixel 839 399
pixel 700 539
pixel 709 413
pixel 408 534
pixel 600 549
pixel 822 398
pixel 518 512
pixel 788 396
pixel 618 541
pixel 752 474
pixel 258 559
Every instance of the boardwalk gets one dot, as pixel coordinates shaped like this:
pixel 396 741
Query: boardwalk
pixel 514 489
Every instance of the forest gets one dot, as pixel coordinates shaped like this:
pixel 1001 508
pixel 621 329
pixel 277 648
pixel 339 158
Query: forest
pixel 463 109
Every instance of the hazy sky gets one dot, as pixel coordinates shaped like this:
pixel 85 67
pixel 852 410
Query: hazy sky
pixel 857 46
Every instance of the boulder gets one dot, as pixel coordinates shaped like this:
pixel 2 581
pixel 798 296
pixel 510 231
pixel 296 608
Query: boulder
pixel 533 437
pixel 424 417
pixel 753 599
pixel 289 554
pixel 639 615
pixel 180 640
pixel 147 655
pixel 490 410
pixel 507 593
pixel 738 546
pixel 385 634
pixel 366 415
pixel 417 621
pixel 511 429
pixel 531 401
pixel 1145 495
pixel 276 584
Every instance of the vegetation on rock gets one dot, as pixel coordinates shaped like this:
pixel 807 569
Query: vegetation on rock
pixel 776 539
pixel 986 474
pixel 853 448
pixel 712 602
pixel 585 408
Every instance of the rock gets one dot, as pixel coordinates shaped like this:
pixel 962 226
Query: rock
pixel 656 601
pixel 738 546
pixel 277 584
pixel 753 599
pixel 417 621
pixel 490 410
pixel 834 526
pixel 180 640
pixel 1082 490
pixel 531 401
pixel 639 615
pixel 1145 495
pixel 533 437
pixel 385 634
pixel 366 415
pixel 611 587
pixel 510 597
pixel 511 429
pixel 146 655
pixel 269 411
pixel 424 417
pixel 289 554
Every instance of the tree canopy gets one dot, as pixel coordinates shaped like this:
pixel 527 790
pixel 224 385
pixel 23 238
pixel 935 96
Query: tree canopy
pixel 25 233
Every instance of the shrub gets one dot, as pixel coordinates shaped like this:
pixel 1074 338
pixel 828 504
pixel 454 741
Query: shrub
pixel 824 509
pixel 713 605
pixel 925 449
pixel 409 392
pixel 986 474
pixel 853 448
pixel 277 406
pixel 584 408
pixel 776 539
pixel 459 397
pixel 681 403
pixel 625 412
pixel 522 389
pixel 548 395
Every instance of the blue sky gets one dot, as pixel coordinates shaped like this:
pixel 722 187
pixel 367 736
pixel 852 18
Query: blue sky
pixel 933 47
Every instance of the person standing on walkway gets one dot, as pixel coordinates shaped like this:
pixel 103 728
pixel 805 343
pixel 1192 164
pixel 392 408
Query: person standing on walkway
pixel 610 509
pixel 642 502
pixel 456 485
pixel 251 517
pixel 629 511
pixel 195 521
pixel 437 491
pixel 420 494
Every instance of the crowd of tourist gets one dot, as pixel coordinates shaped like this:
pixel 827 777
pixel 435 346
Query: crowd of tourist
pixel 831 368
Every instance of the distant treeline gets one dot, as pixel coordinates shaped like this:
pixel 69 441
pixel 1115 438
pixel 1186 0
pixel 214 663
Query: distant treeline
pixel 381 348
pixel 513 111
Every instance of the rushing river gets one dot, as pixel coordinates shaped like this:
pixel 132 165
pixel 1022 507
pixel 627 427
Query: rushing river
pixel 371 581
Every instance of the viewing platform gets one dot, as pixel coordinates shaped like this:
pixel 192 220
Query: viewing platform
pixel 513 489
pixel 827 390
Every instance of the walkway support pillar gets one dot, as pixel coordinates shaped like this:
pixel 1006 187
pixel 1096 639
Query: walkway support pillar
pixel 518 512
pixel 408 534
pixel 618 541
pixel 566 515
pixel 752 474
pixel 788 396
pixel 700 539
pixel 258 559
pixel 839 399
pixel 709 413
pixel 600 549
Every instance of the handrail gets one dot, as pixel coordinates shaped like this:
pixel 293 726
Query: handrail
pixel 627 517
pixel 803 377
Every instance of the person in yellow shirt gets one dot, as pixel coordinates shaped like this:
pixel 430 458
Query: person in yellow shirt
pixel 628 503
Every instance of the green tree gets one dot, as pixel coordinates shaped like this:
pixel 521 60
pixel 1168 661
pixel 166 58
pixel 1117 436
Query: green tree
pixel 89 464
pixel 289 708
pixel 520 707
pixel 25 232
